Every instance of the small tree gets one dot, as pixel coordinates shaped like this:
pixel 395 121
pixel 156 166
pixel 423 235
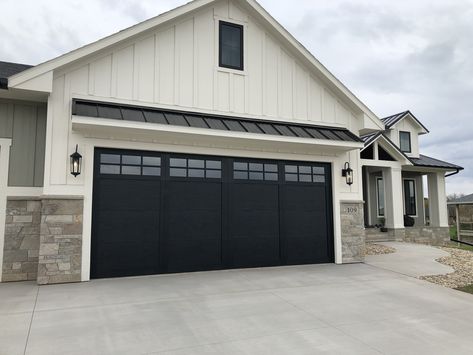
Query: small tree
pixel 455 196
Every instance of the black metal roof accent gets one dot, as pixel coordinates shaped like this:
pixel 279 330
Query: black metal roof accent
pixel 8 69
pixel 428 162
pixel 109 110
pixel 392 120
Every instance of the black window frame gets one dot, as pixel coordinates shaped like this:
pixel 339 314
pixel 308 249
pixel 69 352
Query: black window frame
pixel 380 214
pixel 401 133
pixel 220 47
pixel 410 207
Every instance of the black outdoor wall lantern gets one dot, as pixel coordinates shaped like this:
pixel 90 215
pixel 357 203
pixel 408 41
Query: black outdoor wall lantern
pixel 76 162
pixel 347 173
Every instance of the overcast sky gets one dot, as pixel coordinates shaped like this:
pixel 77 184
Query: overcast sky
pixel 394 55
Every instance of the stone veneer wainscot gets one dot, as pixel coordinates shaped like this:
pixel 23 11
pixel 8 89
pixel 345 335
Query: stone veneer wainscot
pixel 21 246
pixel 60 250
pixel 353 232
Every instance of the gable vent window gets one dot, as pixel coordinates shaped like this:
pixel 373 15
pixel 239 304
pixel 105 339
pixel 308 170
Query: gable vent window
pixel 405 142
pixel 231 46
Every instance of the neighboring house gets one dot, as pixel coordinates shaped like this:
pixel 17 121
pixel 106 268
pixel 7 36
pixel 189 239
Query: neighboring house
pixel 462 212
pixel 205 138
pixel 393 177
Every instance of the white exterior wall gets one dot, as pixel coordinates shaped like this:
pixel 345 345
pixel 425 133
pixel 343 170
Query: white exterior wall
pixel 5 145
pixel 406 125
pixel 176 67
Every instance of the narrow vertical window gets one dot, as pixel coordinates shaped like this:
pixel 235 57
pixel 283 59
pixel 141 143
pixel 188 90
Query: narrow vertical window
pixel 405 142
pixel 380 196
pixel 231 46
pixel 410 197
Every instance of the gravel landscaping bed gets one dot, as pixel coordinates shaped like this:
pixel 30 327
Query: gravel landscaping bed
pixel 462 262
pixel 378 249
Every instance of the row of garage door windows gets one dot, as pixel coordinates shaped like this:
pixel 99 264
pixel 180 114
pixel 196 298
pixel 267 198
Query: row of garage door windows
pixel 136 165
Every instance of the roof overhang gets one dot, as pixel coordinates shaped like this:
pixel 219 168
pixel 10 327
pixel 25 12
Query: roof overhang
pixel 428 169
pixel 101 128
pixel 410 116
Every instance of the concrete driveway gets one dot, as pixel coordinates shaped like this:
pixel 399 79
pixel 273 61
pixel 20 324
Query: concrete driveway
pixel 348 309
pixel 411 259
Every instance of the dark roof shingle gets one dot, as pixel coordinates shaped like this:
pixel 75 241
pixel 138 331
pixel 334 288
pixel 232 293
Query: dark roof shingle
pixel 468 199
pixel 392 120
pixel 428 162
pixel 8 69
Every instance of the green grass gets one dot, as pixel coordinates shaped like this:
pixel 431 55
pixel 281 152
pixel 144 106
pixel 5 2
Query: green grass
pixel 467 289
pixel 453 232
pixel 460 246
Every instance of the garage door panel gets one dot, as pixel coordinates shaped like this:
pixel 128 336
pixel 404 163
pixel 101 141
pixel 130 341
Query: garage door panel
pixel 304 223
pixel 254 225
pixel 145 225
pixel 128 195
pixel 193 230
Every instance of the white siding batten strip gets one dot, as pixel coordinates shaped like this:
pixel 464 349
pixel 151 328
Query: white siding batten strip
pixel 5 145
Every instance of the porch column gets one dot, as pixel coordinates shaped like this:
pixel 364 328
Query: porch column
pixel 392 178
pixel 437 200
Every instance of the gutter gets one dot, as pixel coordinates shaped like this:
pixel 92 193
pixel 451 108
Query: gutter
pixel 454 173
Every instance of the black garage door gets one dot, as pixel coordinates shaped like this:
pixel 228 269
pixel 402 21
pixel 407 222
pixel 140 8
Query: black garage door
pixel 163 213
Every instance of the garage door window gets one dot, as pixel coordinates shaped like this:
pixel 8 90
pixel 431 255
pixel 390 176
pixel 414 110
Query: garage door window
pixel 255 171
pixel 137 165
pixel 304 173
pixel 195 168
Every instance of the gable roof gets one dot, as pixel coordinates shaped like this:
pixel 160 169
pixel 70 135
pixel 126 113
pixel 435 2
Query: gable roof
pixel 390 121
pixel 8 69
pixel 135 30
pixel 371 138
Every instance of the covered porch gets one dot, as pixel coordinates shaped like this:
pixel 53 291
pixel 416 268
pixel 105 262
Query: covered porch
pixel 405 198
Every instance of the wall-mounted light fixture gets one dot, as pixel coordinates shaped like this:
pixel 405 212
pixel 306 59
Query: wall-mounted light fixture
pixel 76 163
pixel 347 173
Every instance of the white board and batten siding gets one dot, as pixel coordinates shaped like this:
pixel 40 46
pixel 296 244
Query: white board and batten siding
pixel 407 125
pixel 176 66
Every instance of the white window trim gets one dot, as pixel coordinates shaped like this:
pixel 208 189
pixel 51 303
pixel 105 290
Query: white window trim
pixel 377 198
pixel 404 196
pixel 410 142
pixel 218 68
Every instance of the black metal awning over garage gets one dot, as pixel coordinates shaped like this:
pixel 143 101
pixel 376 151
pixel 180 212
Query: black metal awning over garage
pixel 95 109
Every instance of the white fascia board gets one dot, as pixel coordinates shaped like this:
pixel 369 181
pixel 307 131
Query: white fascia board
pixel 427 169
pixel 414 120
pixel 135 130
pixel 105 42
pixel 391 148
pixel 41 83
pixel 380 163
